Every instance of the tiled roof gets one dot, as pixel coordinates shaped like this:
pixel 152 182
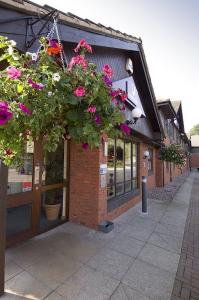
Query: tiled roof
pixel 69 19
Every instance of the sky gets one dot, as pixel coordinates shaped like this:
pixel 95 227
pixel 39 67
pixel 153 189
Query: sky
pixel 170 33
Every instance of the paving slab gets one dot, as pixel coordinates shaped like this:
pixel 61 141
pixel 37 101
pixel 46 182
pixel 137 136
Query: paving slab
pixel 160 258
pixel 25 285
pixel 124 292
pixel 126 245
pixel 111 263
pixel 152 281
pixel 88 284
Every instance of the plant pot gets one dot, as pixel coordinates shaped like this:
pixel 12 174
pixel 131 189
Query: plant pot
pixel 52 211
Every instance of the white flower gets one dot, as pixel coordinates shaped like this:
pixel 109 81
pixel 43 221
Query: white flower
pixel 10 50
pixel 34 56
pixel 50 94
pixel 56 77
pixel 13 43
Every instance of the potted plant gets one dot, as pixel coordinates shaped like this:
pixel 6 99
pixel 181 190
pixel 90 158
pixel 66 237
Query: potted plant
pixel 52 206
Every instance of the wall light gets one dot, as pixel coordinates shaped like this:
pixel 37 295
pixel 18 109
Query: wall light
pixel 146 154
pixel 136 114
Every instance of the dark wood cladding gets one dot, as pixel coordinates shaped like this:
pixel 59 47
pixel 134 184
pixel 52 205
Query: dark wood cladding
pixel 101 56
pixel 17 30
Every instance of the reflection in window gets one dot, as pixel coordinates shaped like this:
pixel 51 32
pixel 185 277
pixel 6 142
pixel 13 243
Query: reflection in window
pixel 150 160
pixel 119 167
pixel 122 167
pixel 111 169
pixel 53 166
pixel 51 197
pixel 20 179
pixel 18 219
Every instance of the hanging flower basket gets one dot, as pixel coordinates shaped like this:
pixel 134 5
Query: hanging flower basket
pixel 173 153
pixel 43 95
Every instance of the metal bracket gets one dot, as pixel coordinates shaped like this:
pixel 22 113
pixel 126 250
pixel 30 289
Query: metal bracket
pixel 47 17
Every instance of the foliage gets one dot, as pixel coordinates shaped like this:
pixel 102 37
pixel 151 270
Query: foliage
pixel 195 130
pixel 40 98
pixel 173 153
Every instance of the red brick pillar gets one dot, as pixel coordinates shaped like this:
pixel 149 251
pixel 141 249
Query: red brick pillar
pixel 87 200
pixel 159 169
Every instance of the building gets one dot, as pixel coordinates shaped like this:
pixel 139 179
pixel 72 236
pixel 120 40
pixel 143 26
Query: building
pixel 97 185
pixel 194 159
pixel 172 120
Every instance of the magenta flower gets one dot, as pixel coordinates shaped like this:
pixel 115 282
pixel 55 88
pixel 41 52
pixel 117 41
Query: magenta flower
pixel 53 43
pixel 85 146
pixel 107 81
pixel 92 109
pixel 125 128
pixel 121 94
pixel 79 92
pixel 13 73
pixel 98 119
pixel 25 109
pixel 107 71
pixel 83 44
pixel 5 114
pixel 8 151
pixel 35 85
pixel 78 60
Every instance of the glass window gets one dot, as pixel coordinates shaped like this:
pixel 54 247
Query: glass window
pixel 122 167
pixel 53 166
pixel 119 167
pixel 111 169
pixel 18 219
pixel 150 160
pixel 134 167
pixel 20 179
pixel 51 214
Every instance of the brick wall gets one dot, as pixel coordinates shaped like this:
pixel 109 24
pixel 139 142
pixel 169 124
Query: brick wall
pixel 194 160
pixel 87 201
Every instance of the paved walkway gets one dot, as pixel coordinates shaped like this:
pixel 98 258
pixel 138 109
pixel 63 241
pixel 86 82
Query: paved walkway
pixel 137 260
pixel 186 285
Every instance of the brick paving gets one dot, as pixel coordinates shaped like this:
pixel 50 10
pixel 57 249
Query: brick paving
pixel 168 192
pixel 186 284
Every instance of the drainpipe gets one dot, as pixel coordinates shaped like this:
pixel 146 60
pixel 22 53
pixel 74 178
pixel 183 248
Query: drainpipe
pixel 3 195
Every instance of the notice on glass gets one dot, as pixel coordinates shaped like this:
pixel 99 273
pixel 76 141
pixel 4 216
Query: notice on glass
pixel 37 169
pixel 103 181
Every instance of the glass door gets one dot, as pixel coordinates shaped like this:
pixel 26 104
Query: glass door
pixel 41 181
pixel 20 199
pixel 54 192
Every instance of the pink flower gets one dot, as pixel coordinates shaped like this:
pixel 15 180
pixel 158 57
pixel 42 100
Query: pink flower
pixel 13 73
pixel 79 92
pixel 5 114
pixel 78 60
pixel 125 128
pixel 92 109
pixel 35 85
pixel 85 146
pixel 25 109
pixel 98 119
pixel 107 71
pixel 83 44
pixel 118 93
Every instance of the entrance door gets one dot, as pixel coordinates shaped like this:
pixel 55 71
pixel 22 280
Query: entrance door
pixel 41 176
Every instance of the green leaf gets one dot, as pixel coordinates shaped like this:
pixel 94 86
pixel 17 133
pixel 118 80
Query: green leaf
pixel 72 115
pixel 70 99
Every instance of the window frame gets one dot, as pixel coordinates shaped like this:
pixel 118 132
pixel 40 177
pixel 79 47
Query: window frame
pixel 150 161
pixel 115 183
